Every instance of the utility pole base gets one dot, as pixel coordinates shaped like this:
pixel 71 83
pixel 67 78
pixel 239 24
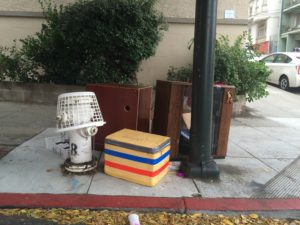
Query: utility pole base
pixel 206 170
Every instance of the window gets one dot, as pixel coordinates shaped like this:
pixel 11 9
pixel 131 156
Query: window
pixel 261 31
pixel 269 59
pixel 282 59
pixel 229 14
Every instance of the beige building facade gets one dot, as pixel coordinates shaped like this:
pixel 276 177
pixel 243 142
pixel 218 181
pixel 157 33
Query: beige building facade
pixel 19 18
pixel 290 26
pixel 264 24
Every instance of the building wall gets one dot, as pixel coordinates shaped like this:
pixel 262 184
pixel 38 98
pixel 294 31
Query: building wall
pixel 26 5
pixel 290 26
pixel 172 51
pixel 264 16
pixel 273 24
pixel 273 27
pixel 230 30
pixel 19 18
pixel 239 6
pixel 16 28
pixel 177 8
pixel 170 8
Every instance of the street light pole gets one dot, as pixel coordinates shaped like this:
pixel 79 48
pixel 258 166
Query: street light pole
pixel 200 162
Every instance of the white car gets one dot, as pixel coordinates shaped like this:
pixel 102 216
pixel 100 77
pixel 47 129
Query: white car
pixel 285 69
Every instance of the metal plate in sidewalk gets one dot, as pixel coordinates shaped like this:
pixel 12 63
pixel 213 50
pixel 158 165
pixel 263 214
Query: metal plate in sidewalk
pixel 284 185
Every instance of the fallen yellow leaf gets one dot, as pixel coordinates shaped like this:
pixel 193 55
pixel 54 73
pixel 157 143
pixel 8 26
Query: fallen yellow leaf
pixel 253 216
pixel 227 222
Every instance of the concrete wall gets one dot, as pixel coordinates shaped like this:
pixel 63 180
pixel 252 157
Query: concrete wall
pixel 17 28
pixel 232 31
pixel 170 8
pixel 177 8
pixel 186 8
pixel 26 5
pixel 19 18
pixel 172 51
pixel 240 8
pixel 35 93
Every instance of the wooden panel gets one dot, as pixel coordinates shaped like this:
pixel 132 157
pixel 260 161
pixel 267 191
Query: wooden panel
pixel 174 117
pixel 144 109
pixel 225 121
pixel 121 109
pixel 161 110
pixel 168 111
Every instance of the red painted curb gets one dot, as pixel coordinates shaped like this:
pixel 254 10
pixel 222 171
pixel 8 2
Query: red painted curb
pixel 241 204
pixel 12 200
pixel 89 201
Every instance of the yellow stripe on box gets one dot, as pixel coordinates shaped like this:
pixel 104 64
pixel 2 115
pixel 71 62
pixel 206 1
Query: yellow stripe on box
pixel 135 164
pixel 137 153
pixel 139 179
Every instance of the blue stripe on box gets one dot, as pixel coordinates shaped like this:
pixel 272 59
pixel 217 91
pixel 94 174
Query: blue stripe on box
pixel 137 158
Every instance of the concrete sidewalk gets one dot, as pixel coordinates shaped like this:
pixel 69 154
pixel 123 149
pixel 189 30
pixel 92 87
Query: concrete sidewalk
pixel 261 145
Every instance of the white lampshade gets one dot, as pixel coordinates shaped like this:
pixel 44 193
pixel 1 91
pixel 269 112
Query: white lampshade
pixel 78 110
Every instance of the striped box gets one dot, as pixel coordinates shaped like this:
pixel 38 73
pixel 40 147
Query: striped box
pixel 136 156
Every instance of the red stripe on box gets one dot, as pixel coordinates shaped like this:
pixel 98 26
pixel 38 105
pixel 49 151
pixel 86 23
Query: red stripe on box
pixel 135 170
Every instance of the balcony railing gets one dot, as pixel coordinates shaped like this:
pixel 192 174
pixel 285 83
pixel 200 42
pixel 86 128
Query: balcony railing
pixel 285 28
pixel 290 3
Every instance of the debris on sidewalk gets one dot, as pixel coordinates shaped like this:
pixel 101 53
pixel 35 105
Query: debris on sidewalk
pixel 134 219
pixel 92 217
pixel 174 165
pixel 59 144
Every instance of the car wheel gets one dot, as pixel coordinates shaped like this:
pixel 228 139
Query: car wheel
pixel 284 83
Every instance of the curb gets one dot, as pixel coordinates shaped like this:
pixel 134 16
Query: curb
pixel 12 200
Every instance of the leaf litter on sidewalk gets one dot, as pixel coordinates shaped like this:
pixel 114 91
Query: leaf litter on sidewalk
pixel 107 217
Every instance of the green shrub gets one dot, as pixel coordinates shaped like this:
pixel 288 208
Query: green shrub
pixel 180 74
pixel 15 66
pixel 234 65
pixel 93 41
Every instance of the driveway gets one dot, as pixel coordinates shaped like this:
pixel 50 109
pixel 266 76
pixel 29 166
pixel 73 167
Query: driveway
pixel 280 104
pixel 279 109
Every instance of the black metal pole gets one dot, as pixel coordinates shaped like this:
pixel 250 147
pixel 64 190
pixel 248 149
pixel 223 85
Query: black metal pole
pixel 200 163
